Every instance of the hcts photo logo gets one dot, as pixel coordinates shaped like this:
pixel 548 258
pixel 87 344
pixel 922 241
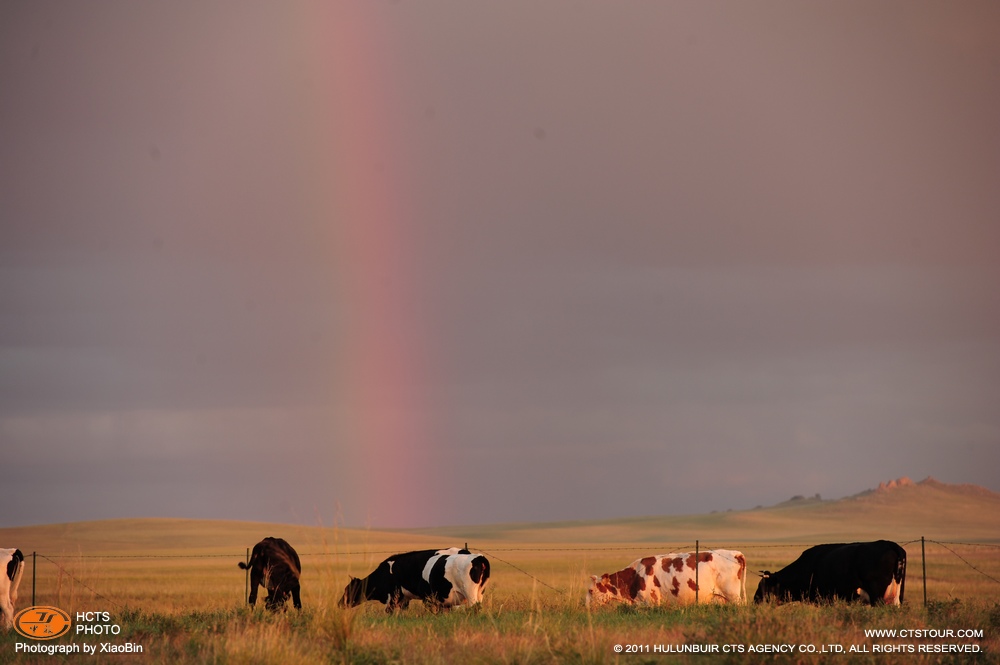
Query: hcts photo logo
pixel 42 622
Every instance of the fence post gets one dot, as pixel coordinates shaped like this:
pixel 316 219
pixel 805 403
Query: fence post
pixel 696 571
pixel 34 567
pixel 923 562
pixel 246 579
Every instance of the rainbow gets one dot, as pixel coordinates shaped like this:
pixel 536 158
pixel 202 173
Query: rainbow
pixel 366 188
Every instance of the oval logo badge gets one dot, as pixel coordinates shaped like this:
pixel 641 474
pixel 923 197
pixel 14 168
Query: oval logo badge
pixel 42 622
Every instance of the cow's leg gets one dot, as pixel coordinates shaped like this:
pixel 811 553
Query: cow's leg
pixel 255 579
pixel 7 608
pixel 892 593
pixel 295 597
pixel 392 607
pixel 397 601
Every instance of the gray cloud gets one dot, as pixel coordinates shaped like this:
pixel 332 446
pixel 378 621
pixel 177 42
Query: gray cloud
pixel 562 262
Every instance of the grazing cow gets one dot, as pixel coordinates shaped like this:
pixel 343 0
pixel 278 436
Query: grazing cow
pixel 873 573
pixel 670 578
pixel 14 561
pixel 440 578
pixel 274 564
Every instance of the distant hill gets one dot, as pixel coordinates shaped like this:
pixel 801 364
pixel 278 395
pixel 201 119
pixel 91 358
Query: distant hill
pixel 888 486
pixel 899 510
pixel 929 483
pixel 158 536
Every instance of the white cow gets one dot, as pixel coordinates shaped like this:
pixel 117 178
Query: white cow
pixel 14 562
pixel 670 578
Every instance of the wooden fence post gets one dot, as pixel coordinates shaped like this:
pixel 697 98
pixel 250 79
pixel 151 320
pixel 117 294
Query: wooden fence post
pixel 34 567
pixel 923 562
pixel 246 584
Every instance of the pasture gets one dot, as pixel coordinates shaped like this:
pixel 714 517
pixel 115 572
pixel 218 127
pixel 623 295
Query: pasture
pixel 174 588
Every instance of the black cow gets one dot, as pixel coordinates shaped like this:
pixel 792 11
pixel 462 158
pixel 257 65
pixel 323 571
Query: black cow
pixel 440 578
pixel 873 572
pixel 274 565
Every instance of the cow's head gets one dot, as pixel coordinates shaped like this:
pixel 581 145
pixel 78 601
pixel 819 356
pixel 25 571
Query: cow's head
pixel 616 587
pixel 601 591
pixel 280 582
pixel 767 588
pixel 276 599
pixel 354 593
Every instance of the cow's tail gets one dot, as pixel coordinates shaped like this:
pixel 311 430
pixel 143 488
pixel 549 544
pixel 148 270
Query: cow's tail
pixel 247 566
pixel 254 556
pixel 742 560
pixel 15 579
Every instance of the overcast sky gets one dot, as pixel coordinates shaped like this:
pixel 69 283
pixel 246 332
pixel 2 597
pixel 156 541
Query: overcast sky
pixel 423 263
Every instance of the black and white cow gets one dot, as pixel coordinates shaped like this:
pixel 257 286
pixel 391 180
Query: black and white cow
pixel 440 578
pixel 274 564
pixel 13 561
pixel 873 573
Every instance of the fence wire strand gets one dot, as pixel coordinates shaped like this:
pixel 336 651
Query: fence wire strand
pixel 78 581
pixel 524 572
pixel 964 560
pixel 665 548
pixel 492 554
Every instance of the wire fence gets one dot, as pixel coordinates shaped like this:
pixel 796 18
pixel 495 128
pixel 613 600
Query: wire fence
pixel 494 554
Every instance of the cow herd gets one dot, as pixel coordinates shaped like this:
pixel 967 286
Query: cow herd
pixel 872 572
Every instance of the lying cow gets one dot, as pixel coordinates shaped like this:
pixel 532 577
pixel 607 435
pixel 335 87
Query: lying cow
pixel 14 562
pixel 670 578
pixel 274 564
pixel 440 578
pixel 874 573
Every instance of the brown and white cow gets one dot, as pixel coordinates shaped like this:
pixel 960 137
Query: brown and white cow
pixel 670 579
pixel 12 563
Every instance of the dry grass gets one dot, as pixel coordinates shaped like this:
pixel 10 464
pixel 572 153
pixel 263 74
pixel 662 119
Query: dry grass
pixel 191 609
pixel 543 629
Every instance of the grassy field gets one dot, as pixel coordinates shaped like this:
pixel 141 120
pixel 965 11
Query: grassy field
pixel 174 588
